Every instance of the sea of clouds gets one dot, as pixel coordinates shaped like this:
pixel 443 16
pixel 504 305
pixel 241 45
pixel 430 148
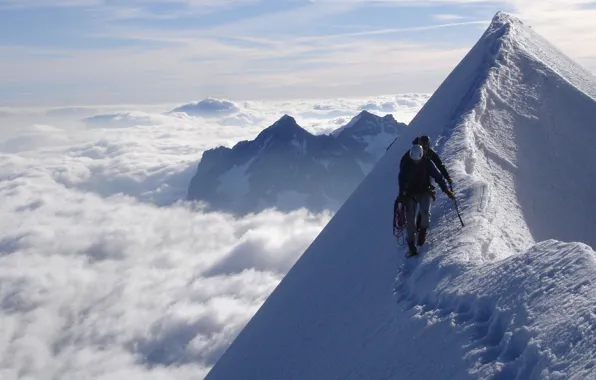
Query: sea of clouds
pixel 105 271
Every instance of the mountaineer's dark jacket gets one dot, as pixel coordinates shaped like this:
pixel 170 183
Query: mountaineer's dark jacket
pixel 414 178
pixel 434 157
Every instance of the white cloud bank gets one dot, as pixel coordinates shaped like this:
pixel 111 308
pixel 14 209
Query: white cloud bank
pixel 95 287
pixel 105 274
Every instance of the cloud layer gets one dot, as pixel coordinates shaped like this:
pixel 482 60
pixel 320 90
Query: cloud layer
pixel 93 287
pixel 106 273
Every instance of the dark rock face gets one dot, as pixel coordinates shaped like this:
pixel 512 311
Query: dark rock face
pixel 287 167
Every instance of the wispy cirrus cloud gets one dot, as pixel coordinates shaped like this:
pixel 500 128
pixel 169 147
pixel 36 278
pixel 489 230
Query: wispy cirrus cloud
pixel 396 30
pixel 131 3
pixel 447 17
pixel 214 63
pixel 142 50
pixel 16 4
pixel 139 51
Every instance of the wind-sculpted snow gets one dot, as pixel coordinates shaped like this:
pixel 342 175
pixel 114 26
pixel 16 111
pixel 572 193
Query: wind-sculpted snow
pixel 530 316
pixel 509 295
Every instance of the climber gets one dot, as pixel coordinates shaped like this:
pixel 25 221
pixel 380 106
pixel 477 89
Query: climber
pixel 415 190
pixel 430 153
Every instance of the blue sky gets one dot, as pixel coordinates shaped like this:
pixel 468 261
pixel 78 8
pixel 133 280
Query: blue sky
pixel 69 52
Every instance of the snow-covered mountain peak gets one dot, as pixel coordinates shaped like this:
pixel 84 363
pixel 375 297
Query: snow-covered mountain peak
pixel 504 19
pixel 287 162
pixel 285 129
pixel 285 118
pixel 507 295
pixel 285 122
pixel 368 123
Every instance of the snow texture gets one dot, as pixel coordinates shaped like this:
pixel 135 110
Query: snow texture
pixel 510 295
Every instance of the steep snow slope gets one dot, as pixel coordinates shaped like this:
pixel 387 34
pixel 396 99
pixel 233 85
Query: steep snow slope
pixel 501 298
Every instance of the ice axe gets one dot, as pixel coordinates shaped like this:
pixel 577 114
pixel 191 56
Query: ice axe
pixel 457 209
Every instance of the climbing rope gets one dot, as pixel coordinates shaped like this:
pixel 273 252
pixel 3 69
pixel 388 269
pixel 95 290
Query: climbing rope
pixel 399 221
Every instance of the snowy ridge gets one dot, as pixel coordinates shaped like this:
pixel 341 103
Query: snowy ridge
pixel 508 296
pixel 519 189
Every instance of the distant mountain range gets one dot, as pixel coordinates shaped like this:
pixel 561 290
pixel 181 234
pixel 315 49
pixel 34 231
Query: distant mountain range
pixel 287 167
